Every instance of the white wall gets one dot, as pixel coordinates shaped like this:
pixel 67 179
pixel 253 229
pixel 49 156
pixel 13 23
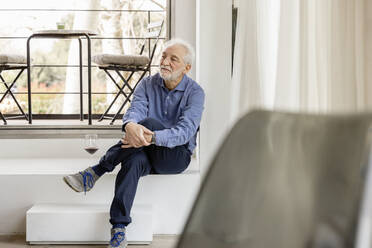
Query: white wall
pixel 206 24
pixel 213 52
pixel 208 27
pixel 184 23
pixel 31 170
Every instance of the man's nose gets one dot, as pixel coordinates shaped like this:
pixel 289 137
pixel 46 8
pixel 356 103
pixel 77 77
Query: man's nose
pixel 165 61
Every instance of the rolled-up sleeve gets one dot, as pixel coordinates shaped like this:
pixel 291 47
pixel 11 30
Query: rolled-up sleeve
pixel 187 124
pixel 138 109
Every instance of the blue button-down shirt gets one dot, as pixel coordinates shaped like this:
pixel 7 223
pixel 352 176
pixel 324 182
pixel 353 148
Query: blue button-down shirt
pixel 179 110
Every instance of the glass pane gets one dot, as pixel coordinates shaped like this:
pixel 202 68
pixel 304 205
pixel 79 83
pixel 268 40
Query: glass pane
pixel 126 37
pixel 102 102
pixel 47 103
pixel 8 105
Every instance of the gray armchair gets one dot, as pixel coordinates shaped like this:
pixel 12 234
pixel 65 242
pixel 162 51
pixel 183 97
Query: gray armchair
pixel 283 180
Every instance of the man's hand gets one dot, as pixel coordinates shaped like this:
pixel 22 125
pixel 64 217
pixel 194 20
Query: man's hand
pixel 126 144
pixel 136 136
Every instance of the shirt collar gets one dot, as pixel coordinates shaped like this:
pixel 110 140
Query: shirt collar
pixel 180 87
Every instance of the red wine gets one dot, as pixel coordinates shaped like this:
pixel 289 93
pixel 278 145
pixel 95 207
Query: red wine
pixel 91 150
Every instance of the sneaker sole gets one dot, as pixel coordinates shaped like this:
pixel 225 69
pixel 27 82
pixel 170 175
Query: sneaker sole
pixel 68 183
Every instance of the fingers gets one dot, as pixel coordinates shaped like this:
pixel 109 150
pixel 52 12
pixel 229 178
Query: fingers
pixel 125 143
pixel 147 131
pixel 144 142
pixel 126 146
pixel 142 139
pixel 132 140
pixel 139 142
pixel 137 138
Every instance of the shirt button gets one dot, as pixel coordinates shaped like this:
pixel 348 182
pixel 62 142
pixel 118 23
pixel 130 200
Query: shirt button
pixel 165 112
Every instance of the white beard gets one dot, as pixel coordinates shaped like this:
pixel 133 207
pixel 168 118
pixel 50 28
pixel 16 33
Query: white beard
pixel 172 76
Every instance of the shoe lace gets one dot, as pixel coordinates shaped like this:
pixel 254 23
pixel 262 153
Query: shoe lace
pixel 116 239
pixel 88 180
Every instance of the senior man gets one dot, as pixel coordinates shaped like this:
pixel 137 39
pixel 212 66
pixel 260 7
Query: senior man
pixel 160 134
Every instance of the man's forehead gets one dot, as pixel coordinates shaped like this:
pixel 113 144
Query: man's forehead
pixel 175 49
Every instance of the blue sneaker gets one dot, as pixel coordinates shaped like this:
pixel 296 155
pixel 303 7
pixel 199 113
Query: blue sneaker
pixel 82 181
pixel 118 238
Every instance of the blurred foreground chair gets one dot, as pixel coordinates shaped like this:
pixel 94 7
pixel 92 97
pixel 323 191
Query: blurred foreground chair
pixel 129 63
pixel 10 62
pixel 283 180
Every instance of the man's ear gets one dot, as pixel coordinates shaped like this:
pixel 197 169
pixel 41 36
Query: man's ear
pixel 187 68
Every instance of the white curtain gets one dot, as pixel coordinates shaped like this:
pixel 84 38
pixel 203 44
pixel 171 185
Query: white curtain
pixel 299 55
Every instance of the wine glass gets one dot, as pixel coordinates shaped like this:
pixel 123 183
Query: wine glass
pixel 90 143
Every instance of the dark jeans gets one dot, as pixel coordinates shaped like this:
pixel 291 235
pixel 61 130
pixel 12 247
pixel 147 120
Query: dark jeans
pixel 138 162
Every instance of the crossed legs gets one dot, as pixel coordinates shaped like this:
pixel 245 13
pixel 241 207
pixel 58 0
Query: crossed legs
pixel 138 162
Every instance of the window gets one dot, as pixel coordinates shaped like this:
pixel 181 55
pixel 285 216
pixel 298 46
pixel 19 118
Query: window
pixel 121 26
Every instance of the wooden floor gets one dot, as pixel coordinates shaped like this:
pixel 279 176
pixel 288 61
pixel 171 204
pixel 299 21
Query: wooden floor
pixel 18 241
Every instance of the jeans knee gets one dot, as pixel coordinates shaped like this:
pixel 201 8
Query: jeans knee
pixel 151 124
pixel 138 163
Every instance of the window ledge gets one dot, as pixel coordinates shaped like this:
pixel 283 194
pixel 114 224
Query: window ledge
pixel 58 131
pixel 62 166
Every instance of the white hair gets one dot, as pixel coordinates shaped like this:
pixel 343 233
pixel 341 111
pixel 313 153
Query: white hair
pixel 190 52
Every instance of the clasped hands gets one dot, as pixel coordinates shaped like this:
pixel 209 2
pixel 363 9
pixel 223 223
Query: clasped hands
pixel 136 136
